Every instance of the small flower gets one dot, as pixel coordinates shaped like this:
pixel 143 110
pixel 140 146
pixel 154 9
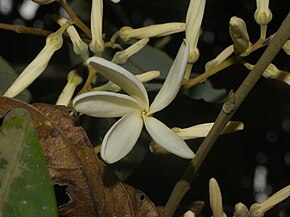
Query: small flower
pixel 73 80
pixel 215 199
pixel 194 17
pixel 97 45
pixel 259 209
pixel 241 210
pixel 54 42
pixel 134 108
pixel 239 34
pixel 126 33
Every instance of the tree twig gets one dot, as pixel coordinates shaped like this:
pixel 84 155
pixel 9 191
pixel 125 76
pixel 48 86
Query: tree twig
pixel 226 113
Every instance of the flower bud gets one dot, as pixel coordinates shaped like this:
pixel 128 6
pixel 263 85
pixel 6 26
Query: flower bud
pixel 73 80
pixel 54 42
pixel 239 34
pixel 286 47
pixel 215 198
pixel 259 209
pixel 189 214
pixel 194 17
pixel 241 211
pixel 126 33
pixel 263 14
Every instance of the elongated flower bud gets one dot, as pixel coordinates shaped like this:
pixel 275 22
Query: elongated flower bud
pixel 215 198
pixel 239 34
pixel 79 47
pixel 97 45
pixel 122 56
pixel 189 214
pixel 259 209
pixel 126 33
pixel 54 42
pixel 73 80
pixel 286 47
pixel 194 17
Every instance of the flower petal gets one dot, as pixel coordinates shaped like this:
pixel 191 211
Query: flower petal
pixel 121 138
pixel 105 104
pixel 120 76
pixel 173 81
pixel 165 137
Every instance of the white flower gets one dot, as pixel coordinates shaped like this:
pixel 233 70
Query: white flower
pixel 134 108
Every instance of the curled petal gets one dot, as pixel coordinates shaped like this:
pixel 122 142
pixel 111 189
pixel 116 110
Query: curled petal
pixel 121 138
pixel 105 104
pixel 164 136
pixel 123 78
pixel 173 81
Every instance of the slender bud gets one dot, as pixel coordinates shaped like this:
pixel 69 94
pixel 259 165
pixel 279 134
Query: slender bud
pixel 54 42
pixel 194 17
pixel 239 34
pixel 215 199
pixel 73 80
pixel 259 209
pixel 220 58
pixel 126 33
pixel 79 47
pixel 97 45
pixel 122 56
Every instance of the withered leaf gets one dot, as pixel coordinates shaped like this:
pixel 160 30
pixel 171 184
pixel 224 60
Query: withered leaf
pixel 92 188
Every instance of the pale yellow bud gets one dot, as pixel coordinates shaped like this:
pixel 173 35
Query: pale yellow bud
pixel 241 211
pixel 239 34
pixel 259 209
pixel 54 41
pixel 126 33
pixel 79 47
pixel 194 17
pixel 122 56
pixel 263 14
pixel 215 198
pixel 73 80
pixel 220 58
pixel 97 44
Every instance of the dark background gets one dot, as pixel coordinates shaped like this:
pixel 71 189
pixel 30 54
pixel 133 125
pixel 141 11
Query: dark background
pixel 249 165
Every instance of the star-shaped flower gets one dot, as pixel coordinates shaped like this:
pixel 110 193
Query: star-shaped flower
pixel 134 108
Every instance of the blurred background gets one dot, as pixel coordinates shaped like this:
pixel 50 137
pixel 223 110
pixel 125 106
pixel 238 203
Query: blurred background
pixel 249 165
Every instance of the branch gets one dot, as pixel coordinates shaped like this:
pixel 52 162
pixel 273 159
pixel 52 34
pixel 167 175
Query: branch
pixel 228 110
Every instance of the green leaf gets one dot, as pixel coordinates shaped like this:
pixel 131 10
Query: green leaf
pixel 25 185
pixel 7 77
pixel 207 92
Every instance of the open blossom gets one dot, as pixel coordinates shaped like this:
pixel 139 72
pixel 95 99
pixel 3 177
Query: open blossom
pixel 134 108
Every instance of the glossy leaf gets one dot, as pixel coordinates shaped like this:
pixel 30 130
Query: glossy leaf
pixel 25 185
